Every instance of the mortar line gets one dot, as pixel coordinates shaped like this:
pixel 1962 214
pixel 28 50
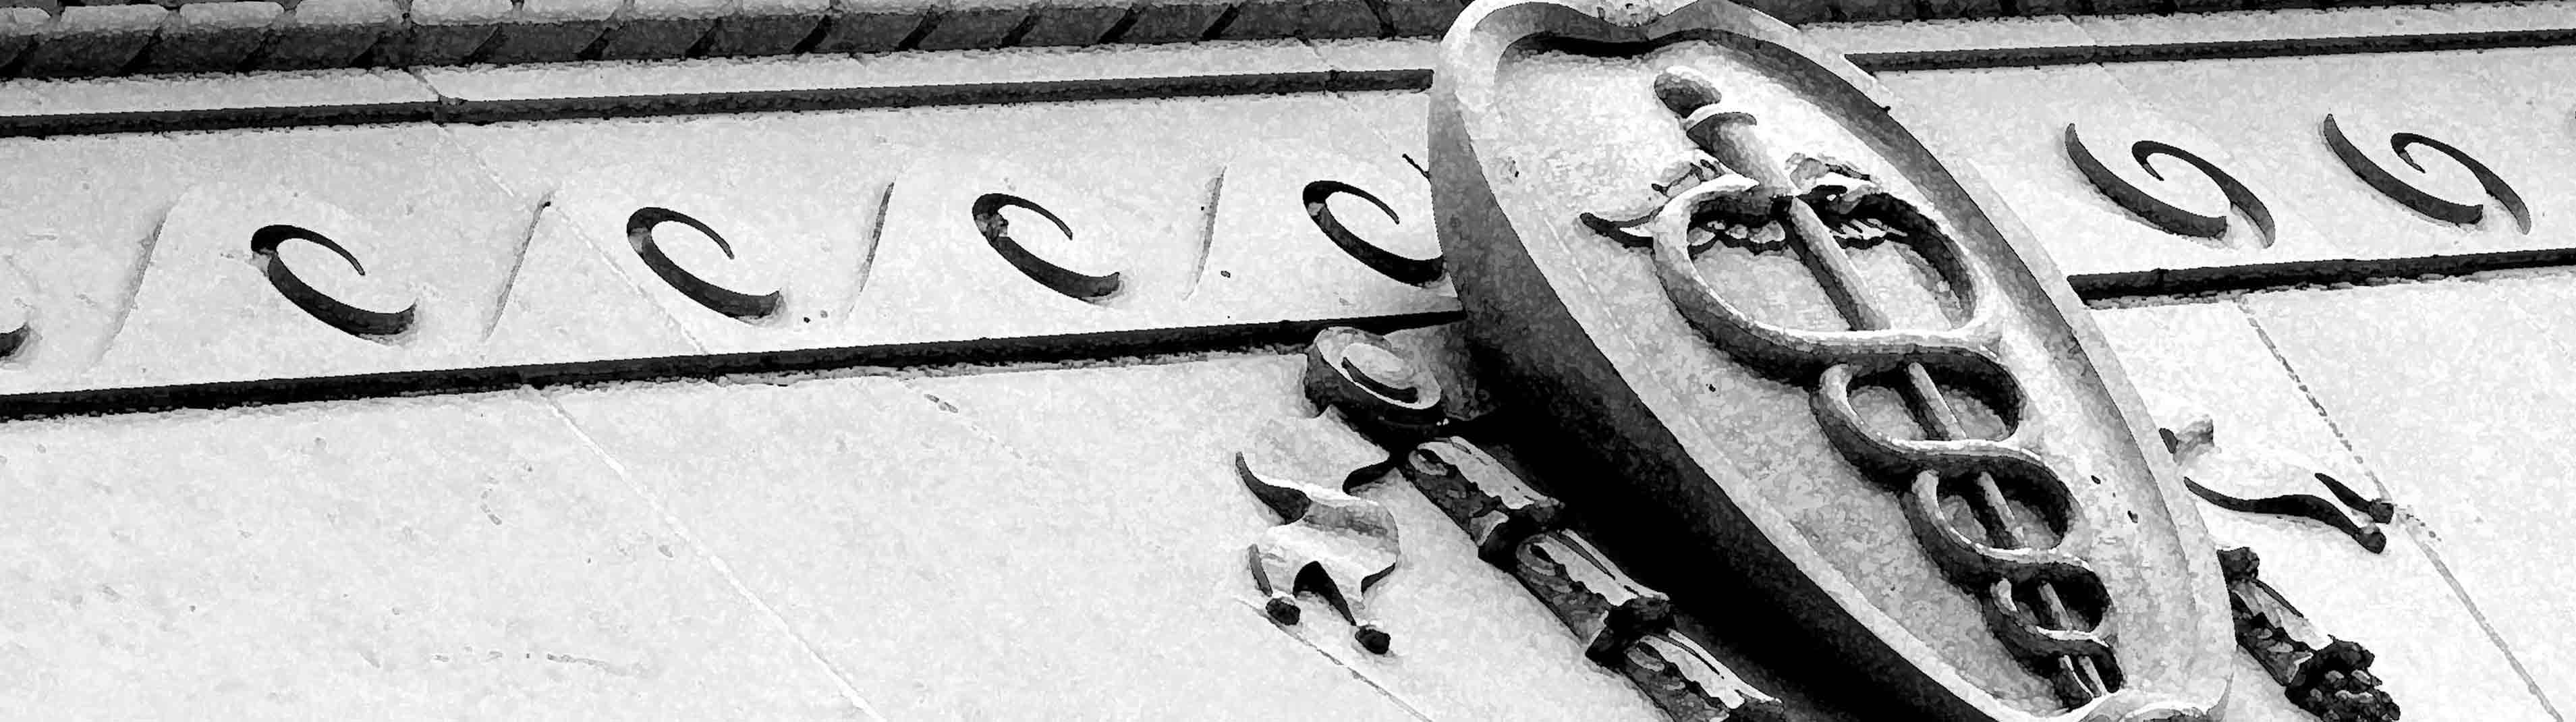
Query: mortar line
pixel 2420 541
pixel 848 690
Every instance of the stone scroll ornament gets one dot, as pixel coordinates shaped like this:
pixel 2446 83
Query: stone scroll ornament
pixel 2256 480
pixel 2020 464
pixel 1623 625
pixel 2416 198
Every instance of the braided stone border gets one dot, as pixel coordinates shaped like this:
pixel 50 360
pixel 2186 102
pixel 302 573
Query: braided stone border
pixel 46 39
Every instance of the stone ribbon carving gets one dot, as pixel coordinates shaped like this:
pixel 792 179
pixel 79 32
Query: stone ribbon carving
pixel 1624 625
pixel 2041 600
pixel 2328 677
pixel 2265 481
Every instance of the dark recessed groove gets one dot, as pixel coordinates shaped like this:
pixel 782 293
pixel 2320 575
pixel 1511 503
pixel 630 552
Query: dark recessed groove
pixel 1041 349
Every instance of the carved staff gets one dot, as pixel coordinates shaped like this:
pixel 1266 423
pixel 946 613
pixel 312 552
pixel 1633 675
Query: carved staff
pixel 1730 137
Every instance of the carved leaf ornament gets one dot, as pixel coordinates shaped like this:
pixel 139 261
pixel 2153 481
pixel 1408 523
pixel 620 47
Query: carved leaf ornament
pixel 2072 547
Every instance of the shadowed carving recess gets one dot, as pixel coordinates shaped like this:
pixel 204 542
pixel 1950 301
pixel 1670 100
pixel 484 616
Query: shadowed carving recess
pixel 731 299
pixel 2417 199
pixel 349 307
pixel 2256 480
pixel 1065 268
pixel 2328 677
pixel 2042 601
pixel 2160 213
pixel 1318 196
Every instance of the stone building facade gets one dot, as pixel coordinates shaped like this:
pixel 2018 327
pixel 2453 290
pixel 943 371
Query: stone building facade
pixel 629 359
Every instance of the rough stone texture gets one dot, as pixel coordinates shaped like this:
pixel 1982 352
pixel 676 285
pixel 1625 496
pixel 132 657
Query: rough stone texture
pixel 2255 103
pixel 567 303
pixel 1179 21
pixel 434 558
pixel 444 32
pixel 1421 17
pixel 328 34
pixel 41 107
pixel 1792 11
pixel 2011 123
pixel 18 29
pixel 646 29
pixel 104 196
pixel 935 519
pixel 210 37
pixel 1256 19
pixel 2435 657
pixel 1961 8
pixel 1872 10
pixel 92 41
pixel 973 24
pixel 1074 22
pixel 1470 642
pixel 766 27
pixel 2443 389
pixel 865 26
pixel 549 31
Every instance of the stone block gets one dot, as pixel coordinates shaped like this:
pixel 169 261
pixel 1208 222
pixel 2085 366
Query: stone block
pixel 1418 18
pixel 1795 12
pixel 1263 19
pixel 443 32
pixel 544 31
pixel 1961 8
pixel 1175 21
pixel 466 556
pixel 1870 10
pixel 973 24
pixel 1078 627
pixel 647 29
pixel 18 30
pixel 865 26
pixel 211 37
pixel 50 7
pixel 87 41
pixel 2450 391
pixel 1074 22
pixel 766 27
pixel 328 34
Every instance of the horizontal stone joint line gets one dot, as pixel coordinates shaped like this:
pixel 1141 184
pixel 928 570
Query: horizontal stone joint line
pixel 662 510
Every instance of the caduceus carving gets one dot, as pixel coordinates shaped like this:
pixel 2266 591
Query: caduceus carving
pixel 2041 600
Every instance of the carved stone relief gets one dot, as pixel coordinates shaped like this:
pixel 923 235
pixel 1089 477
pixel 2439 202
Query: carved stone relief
pixel 2328 677
pixel 2265 481
pixel 1801 443
pixel 2416 198
pixel 1363 380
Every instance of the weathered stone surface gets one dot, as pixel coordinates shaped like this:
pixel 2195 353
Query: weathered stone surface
pixel 2435 657
pixel 459 556
pixel 567 303
pixel 1257 19
pixel 444 32
pixel 2013 123
pixel 328 34
pixel 2436 386
pixel 1872 10
pixel 766 27
pixel 49 107
pixel 1179 21
pixel 644 29
pixel 1074 22
pixel 972 24
pixel 102 200
pixel 92 41
pixel 211 36
pixel 542 31
pixel 1470 642
pixel 1421 17
pixel 865 26
pixel 934 518
pixel 19 27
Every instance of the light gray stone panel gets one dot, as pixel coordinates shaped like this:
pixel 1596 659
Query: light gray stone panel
pixel 2434 657
pixel 1469 642
pixel 466 556
pixel 955 577
pixel 2445 390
